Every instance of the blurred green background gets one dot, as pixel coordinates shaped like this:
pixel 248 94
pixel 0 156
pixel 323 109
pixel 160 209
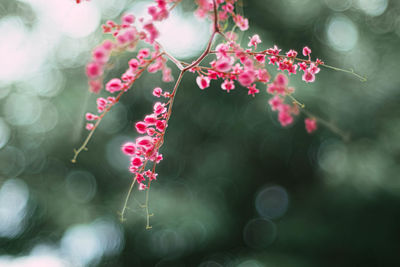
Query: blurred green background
pixel 234 188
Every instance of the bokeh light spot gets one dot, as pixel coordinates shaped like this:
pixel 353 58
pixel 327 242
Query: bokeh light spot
pixel 14 195
pixel 339 5
pixel 259 233
pixel 86 244
pixel 21 109
pixel 81 186
pixel 373 7
pixel 342 33
pixel 182 35
pixel 4 133
pixel 12 161
pixel 74 20
pixel 272 202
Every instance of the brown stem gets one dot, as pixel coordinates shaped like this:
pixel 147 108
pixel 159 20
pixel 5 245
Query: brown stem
pixel 126 200
pixel 345 136
pixel 171 57
pixel 216 23
pixel 203 55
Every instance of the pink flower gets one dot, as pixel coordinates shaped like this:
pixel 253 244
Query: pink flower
pixel 162 4
pixel 308 77
pixel 241 22
pixel 101 104
pixel 228 85
pixel 140 178
pixel 101 101
pixel 303 66
pixel 159 158
pixel 223 65
pixel 128 76
pixel 166 75
pixel 203 82
pixel 159 108
pixel 93 70
pixel 275 102
pixel 128 19
pixel 160 125
pixel 281 80
pixel 89 126
pixel 273 60
pixel 260 58
pixel 121 39
pixel 145 141
pixel 246 78
pixel 114 85
pixel 274 51
pixel 291 53
pixel 141 127
pixel 228 7
pixel 133 63
pixel 221 50
pixel 129 149
pixel 111 99
pixel 157 91
pixel 254 41
pixel 95 86
pixel 150 131
pixel 91 117
pixel 311 125
pixel 151 29
pixel 306 51
pixel 142 187
pixel 237 68
pixel 150 119
pixel 137 161
pixel 153 176
pixel 100 54
pixel 313 68
pixel 143 53
pixel 130 34
pixel 152 10
pixel 263 75
pixel 285 118
pixel 253 90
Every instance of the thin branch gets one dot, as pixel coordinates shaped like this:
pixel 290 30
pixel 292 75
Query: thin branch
pixel 148 215
pixel 344 135
pixel 122 218
pixel 216 23
pixel 203 55
pixel 87 139
pixel 171 57
pixel 174 5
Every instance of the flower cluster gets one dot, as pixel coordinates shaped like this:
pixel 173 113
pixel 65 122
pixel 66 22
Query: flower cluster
pixel 146 148
pixel 247 67
pixel 125 36
pixel 233 65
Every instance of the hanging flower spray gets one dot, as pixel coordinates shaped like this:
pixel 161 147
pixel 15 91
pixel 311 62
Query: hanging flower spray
pixel 233 66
